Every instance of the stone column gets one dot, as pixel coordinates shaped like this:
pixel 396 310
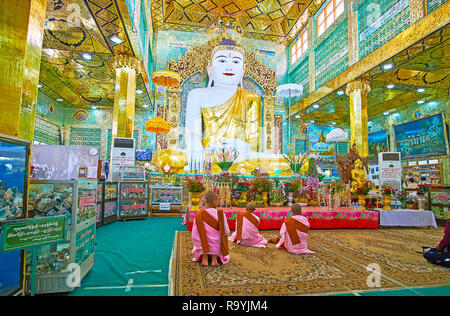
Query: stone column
pixel 21 37
pixel 269 101
pixel 357 90
pixel 173 117
pixel 127 67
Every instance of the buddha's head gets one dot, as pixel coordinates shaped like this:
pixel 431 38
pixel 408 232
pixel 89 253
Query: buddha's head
pixel 226 67
pixel 358 164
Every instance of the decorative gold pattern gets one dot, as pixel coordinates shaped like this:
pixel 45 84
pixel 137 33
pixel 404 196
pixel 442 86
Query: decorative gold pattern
pixel 353 40
pixel 277 21
pixel 199 57
pixel 173 116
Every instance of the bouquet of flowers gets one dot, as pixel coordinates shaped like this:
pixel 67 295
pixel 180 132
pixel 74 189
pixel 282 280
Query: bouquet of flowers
pixel 297 185
pixel 403 198
pixel 225 158
pixel 312 182
pixel 288 187
pixel 365 188
pixel 422 189
pixel 195 186
pixel 386 189
pixel 296 161
pixel 227 178
pixel 262 184
pixel 243 186
pixel 335 188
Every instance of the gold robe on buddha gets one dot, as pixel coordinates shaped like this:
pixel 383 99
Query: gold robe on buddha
pixel 238 118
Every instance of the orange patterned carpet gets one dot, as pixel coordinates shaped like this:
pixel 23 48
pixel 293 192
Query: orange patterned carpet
pixel 338 266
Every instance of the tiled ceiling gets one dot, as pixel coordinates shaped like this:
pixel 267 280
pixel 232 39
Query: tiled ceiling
pixel 273 20
pixel 78 52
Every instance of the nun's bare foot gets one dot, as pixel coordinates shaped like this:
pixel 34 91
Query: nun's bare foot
pixel 205 261
pixel 214 262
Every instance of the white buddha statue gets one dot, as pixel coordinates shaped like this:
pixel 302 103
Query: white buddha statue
pixel 224 114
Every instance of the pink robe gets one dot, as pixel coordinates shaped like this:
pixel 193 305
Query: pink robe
pixel 213 237
pixel 250 234
pixel 285 241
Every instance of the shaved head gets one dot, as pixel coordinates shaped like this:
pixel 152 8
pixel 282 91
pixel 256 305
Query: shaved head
pixel 296 209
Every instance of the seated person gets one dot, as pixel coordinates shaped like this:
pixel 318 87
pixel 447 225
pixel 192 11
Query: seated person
pixel 247 232
pixel 411 184
pixel 294 232
pixel 441 254
pixel 209 233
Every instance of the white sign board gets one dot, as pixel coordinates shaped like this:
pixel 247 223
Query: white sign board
pixel 164 206
pixel 122 154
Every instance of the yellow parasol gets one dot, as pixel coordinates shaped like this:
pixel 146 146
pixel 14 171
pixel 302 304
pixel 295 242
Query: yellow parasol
pixel 166 78
pixel 157 125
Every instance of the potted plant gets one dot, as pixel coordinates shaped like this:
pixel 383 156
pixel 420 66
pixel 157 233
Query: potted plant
pixel 195 188
pixel 296 187
pixel 277 198
pixel 243 187
pixel 262 186
pixel 422 190
pixel 387 191
pixel 362 192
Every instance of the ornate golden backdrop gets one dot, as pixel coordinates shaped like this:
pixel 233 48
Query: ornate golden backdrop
pixel 273 20
pixel 78 53
pixel 424 65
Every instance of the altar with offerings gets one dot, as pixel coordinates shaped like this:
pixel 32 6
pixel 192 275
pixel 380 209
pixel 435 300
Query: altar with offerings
pixel 319 217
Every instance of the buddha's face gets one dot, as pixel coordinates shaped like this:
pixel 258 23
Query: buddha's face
pixel 226 68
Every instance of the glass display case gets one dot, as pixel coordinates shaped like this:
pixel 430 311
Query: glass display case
pixel 133 200
pixel 107 203
pixel 77 199
pixel 14 166
pixel 166 200
pixel 439 199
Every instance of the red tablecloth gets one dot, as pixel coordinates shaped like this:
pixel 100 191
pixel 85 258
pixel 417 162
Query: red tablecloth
pixel 319 217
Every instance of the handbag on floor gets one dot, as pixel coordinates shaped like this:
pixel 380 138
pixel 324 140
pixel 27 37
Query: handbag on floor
pixel 435 256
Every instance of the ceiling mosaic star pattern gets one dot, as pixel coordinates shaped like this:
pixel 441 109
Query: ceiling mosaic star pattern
pixel 75 29
pixel 273 20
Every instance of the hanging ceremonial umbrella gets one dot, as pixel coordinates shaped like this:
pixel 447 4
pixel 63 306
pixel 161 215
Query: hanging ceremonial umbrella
pixel 166 78
pixel 290 90
pixel 157 125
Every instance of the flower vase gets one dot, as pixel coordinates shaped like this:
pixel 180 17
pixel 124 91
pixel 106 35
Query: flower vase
pixel 265 198
pixel 290 198
pixel 421 203
pixel 362 201
pixel 331 203
pixel 387 203
pixel 195 200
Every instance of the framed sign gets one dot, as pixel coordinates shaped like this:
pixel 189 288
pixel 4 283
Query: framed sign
pixel 422 138
pixel 166 195
pixel 26 233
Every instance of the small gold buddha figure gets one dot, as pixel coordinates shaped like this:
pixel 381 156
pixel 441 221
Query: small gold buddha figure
pixel 359 175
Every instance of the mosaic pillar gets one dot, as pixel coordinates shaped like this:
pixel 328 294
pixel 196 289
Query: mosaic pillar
pixel 173 117
pixel 269 118
pixel 416 10
pixel 357 90
pixel 127 67
pixel 21 36
pixel 353 39
pixel 312 67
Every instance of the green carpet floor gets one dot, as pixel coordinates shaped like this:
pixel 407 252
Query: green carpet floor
pixel 137 254
pixel 133 252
